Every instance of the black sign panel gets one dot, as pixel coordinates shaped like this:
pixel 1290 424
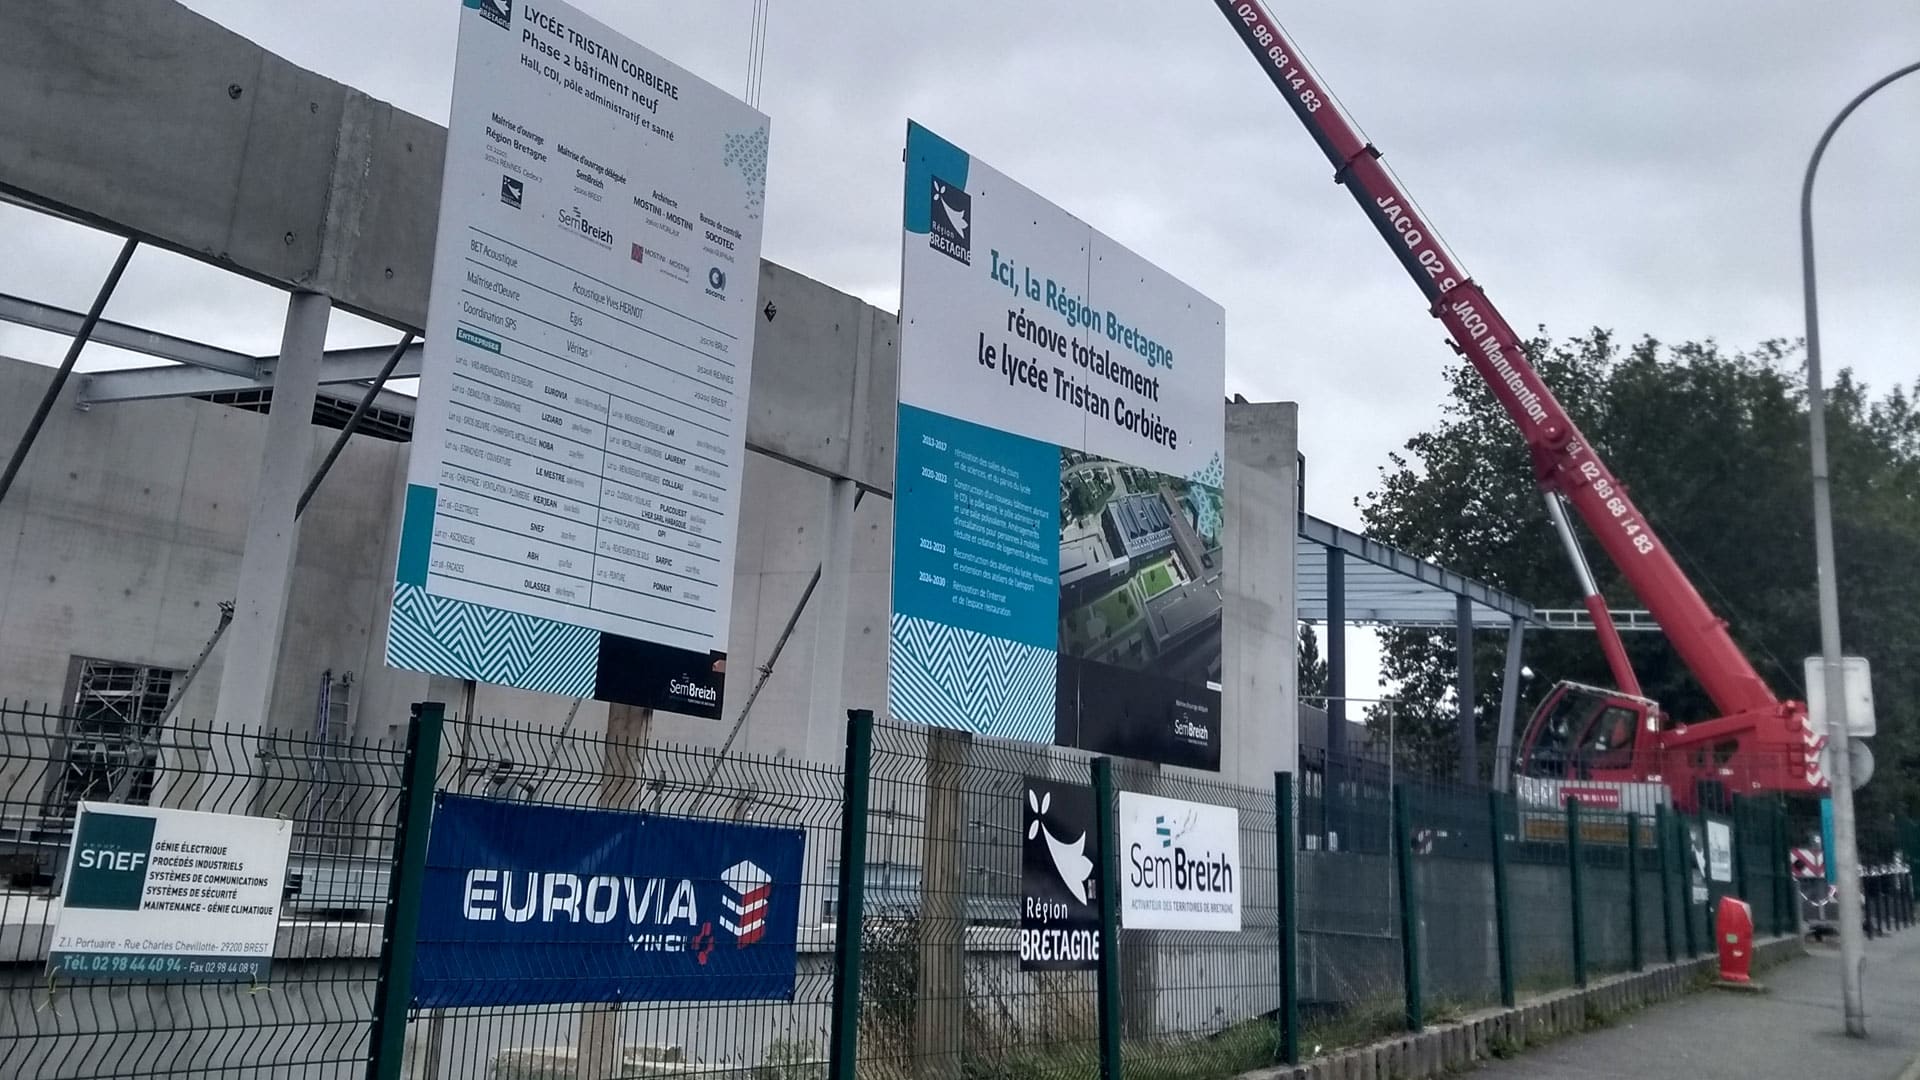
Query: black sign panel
pixel 1059 907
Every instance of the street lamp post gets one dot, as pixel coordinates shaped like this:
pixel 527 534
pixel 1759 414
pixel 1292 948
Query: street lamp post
pixel 1846 856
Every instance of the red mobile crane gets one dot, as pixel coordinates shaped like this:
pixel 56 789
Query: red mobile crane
pixel 1758 742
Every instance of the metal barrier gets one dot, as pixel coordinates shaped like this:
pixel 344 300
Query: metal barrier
pixel 313 1020
pixel 1368 904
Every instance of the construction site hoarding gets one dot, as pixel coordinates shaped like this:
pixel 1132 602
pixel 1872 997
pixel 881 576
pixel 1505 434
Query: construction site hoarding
pixel 573 493
pixel 1058 481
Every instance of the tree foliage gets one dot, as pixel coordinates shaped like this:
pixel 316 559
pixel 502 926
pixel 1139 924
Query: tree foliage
pixel 1713 445
pixel 1310 665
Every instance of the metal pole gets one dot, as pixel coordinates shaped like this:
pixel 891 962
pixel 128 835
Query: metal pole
pixel 1742 888
pixel 1502 914
pixel 1846 855
pixel 1575 882
pixel 1336 655
pixel 1107 881
pixel 1663 835
pixel 843 1050
pixel 79 342
pixel 1683 851
pixel 1409 907
pixel 1509 706
pixel 1636 949
pixel 1287 822
pixel 353 423
pixel 394 992
pixel 1465 690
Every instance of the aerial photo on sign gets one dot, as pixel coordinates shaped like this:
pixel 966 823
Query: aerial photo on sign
pixel 574 490
pixel 1058 506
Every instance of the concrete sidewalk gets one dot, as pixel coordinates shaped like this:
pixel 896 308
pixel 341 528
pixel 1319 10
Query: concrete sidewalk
pixel 1793 1032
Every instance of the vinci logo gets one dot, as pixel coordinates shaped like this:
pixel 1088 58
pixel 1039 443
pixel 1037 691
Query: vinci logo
pixel 749 891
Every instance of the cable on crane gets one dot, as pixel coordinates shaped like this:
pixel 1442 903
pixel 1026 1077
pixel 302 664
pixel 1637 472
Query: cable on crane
pixel 756 51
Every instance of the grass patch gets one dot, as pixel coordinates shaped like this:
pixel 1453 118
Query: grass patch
pixel 1156 579
pixel 1117 608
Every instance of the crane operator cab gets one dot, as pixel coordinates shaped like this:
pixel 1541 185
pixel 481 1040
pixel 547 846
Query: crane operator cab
pixel 1589 733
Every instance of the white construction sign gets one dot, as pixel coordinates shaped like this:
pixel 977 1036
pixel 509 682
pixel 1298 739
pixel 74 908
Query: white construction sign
pixel 151 893
pixel 1179 864
pixel 573 494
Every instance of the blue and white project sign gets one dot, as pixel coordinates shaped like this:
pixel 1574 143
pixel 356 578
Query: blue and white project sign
pixel 530 905
pixel 1058 504
pixel 573 492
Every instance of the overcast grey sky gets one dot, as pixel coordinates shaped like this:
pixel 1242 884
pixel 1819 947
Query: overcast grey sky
pixel 1633 165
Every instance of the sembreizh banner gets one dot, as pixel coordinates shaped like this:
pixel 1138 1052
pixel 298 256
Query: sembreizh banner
pixel 530 905
pixel 1180 865
pixel 1058 504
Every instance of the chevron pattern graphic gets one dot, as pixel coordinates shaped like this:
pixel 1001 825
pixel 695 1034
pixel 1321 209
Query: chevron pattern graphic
pixel 943 676
pixel 471 641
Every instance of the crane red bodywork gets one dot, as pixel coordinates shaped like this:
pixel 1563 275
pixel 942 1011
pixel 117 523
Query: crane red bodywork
pixel 1758 742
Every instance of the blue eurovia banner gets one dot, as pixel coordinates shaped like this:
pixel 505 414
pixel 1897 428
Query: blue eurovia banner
pixel 528 905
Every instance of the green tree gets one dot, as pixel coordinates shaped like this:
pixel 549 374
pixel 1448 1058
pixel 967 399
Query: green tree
pixel 1713 445
pixel 1311 667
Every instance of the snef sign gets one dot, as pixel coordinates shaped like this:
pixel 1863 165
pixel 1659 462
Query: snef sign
pixel 156 893
pixel 1059 902
pixel 1179 864
pixel 532 904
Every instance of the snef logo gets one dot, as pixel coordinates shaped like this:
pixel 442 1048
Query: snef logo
pixel 512 191
pixel 572 220
pixel 110 860
pixel 749 893
pixel 497 12
pixel 951 233
pixel 717 283
pixel 688 690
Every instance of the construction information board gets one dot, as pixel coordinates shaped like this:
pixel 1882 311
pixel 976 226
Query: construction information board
pixel 1057 505
pixel 151 893
pixel 573 493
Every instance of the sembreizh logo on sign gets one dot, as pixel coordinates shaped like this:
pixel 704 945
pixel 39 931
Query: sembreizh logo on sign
pixel 110 862
pixel 952 231
pixel 1180 864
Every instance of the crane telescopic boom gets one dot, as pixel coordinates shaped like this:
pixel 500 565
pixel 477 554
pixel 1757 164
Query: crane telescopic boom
pixel 1564 462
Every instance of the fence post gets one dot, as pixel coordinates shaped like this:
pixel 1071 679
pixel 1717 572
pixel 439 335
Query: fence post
pixel 1663 838
pixel 1635 949
pixel 1683 851
pixel 1782 872
pixel 1576 882
pixel 1409 907
pixel 843 1051
pixel 1502 913
pixel 1107 882
pixel 1287 826
pixel 394 992
pixel 1737 812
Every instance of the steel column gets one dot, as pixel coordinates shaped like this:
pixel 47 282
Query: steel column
pixel 1463 648
pixel 79 342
